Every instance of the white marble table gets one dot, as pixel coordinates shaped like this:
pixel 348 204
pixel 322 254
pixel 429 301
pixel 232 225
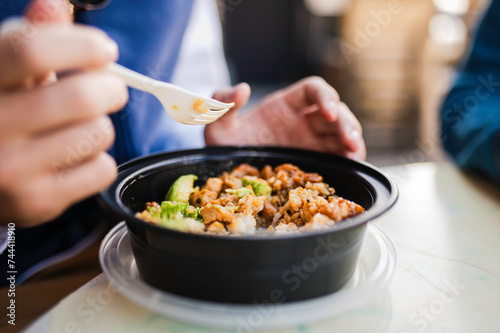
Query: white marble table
pixel 446 227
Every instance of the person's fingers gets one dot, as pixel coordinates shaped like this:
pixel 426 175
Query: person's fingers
pixel 331 144
pixel 59 150
pixel 41 12
pixel 53 48
pixel 226 129
pixel 89 177
pixel 317 122
pixel 72 99
pixel 313 90
pixel 349 129
pixel 238 94
pixel 47 78
pixel 360 154
pixel 346 126
pixel 342 136
pixel 48 196
pixel 70 146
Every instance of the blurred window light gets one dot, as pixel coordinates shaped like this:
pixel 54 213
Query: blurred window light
pixel 454 7
pixel 327 7
pixel 447 29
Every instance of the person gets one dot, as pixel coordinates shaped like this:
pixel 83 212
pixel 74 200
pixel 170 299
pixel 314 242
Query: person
pixel 65 124
pixel 470 116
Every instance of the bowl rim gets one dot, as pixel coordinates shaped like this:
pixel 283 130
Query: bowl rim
pixel 133 168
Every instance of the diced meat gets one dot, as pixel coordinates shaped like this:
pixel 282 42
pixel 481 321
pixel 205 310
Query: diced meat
pixel 216 228
pixel 212 213
pixel 268 211
pixel 338 208
pixel 230 181
pixel 290 169
pixel 267 172
pixel 201 198
pixel 214 184
pixel 251 205
pixel 283 181
pixel 298 179
pixel 358 209
pixel 313 177
pixel 226 199
pixel 244 169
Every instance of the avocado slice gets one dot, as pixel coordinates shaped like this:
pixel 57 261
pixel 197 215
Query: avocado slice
pixel 259 186
pixel 181 189
pixel 241 192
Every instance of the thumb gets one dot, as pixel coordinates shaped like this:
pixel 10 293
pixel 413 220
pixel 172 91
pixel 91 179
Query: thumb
pixel 41 12
pixel 238 94
pixel 223 130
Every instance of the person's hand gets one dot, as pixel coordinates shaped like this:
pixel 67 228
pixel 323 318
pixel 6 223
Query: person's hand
pixel 307 114
pixel 54 133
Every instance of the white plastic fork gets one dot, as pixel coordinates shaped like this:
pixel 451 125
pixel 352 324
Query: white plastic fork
pixel 182 105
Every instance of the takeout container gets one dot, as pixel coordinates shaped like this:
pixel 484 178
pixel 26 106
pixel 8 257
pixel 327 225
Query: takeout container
pixel 236 269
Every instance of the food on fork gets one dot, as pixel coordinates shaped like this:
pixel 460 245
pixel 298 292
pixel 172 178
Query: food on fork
pixel 249 201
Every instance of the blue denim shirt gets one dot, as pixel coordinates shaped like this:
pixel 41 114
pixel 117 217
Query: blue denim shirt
pixel 149 34
pixel 471 112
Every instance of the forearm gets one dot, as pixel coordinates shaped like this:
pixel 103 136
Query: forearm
pixel 470 114
pixel 471 125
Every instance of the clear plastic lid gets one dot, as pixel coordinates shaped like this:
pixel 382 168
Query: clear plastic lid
pixel 374 269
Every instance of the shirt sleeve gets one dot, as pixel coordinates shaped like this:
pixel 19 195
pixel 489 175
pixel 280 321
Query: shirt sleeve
pixel 3 238
pixel 470 116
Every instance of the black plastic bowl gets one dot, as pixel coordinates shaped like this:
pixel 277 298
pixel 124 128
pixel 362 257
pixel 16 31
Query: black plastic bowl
pixel 246 269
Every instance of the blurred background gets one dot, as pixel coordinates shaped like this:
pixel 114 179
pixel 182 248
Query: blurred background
pixel 392 61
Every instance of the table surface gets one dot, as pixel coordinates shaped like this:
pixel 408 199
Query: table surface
pixel 446 227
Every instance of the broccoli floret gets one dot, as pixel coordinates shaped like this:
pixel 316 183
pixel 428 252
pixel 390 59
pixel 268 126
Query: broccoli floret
pixel 174 214
pixel 154 210
pixel 193 212
pixel 173 210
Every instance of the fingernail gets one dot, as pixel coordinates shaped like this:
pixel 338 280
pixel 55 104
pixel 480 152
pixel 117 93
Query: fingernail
pixel 112 49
